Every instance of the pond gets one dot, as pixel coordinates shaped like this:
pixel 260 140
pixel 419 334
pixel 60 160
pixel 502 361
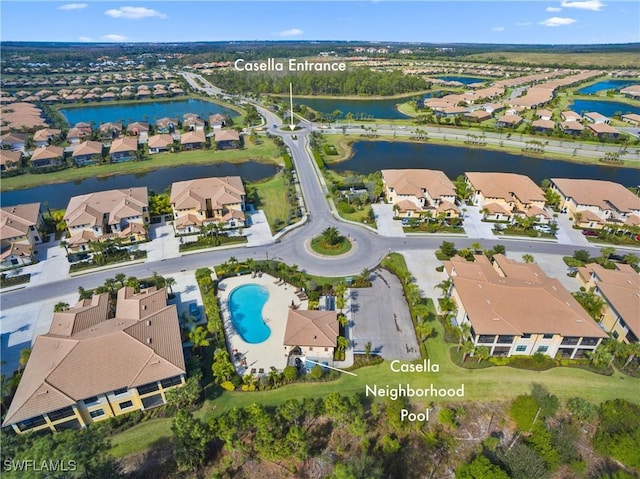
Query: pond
pixel 370 156
pixel 58 195
pixel 463 79
pixel 606 108
pixel 149 111
pixel 360 109
pixel 610 84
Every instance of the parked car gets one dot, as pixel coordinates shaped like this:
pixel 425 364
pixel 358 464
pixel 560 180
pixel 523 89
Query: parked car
pixel 590 233
pixel 194 311
pixel 406 221
pixel 542 228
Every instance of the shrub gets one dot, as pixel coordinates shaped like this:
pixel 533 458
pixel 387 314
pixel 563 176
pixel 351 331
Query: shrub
pixel 523 411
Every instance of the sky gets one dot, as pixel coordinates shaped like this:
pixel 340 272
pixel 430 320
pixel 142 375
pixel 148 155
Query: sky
pixel 446 21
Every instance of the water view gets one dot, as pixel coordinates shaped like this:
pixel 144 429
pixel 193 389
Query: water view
pixel 58 195
pixel 607 85
pixel 150 112
pixel 358 108
pixel 463 80
pixel 607 108
pixel 370 156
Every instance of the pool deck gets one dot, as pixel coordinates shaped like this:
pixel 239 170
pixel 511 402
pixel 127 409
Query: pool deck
pixel 263 356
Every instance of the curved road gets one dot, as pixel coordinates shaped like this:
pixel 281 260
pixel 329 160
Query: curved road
pixel 367 252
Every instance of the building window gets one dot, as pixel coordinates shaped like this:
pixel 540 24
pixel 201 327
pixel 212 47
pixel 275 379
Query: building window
pixel 91 400
pixel 589 341
pixel 570 340
pixel 547 336
pixel 147 388
pixel 167 383
pixel 526 336
pixel 31 423
pixel 615 335
pixel 61 413
pixel 125 405
pixel 521 349
pixel 96 413
pixel 120 391
pixel 542 349
pixel 505 339
pixel 485 338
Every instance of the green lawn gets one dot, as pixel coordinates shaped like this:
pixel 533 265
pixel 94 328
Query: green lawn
pixel 359 215
pixel 266 152
pixel 321 247
pixel 272 199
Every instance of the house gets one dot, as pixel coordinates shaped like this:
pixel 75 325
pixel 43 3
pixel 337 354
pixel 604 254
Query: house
pixel 217 121
pixel 166 125
pixel 110 130
pixel 595 117
pixel 570 116
pixel 87 153
pixel 477 116
pixel 10 160
pixel 619 289
pixel 603 130
pixel 89 368
pixel 196 203
pixel 105 215
pixel 191 122
pixel 123 149
pixel 593 203
pixel 20 227
pixel 514 308
pixel 138 127
pixel 108 96
pixel 312 334
pixel 47 156
pixel 226 139
pixel 43 137
pixel 193 140
pixel 76 135
pixel 631 91
pixel 632 118
pixel 543 126
pixel 450 111
pixel 420 192
pixel 13 141
pixel 572 127
pixel 159 143
pixel 504 194
pixel 508 121
pixel 544 114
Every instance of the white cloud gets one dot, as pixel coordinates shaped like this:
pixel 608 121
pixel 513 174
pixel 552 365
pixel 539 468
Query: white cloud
pixel 73 6
pixel 134 13
pixel 293 32
pixel 85 39
pixel 553 9
pixel 114 37
pixel 595 5
pixel 557 21
pixel 523 24
pixel 497 29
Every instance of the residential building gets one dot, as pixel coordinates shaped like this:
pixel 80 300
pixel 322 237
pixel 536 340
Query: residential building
pixel 110 130
pixel 105 215
pixel 543 126
pixel 193 140
pixel 312 334
pixel 137 127
pixel 87 153
pixel 196 203
pixel 13 141
pixel 159 143
pixel 544 114
pixel 631 91
pixel 20 227
pixel 503 195
pixel 10 160
pixel 620 289
pixel 226 139
pixel 47 157
pixel 632 118
pixel 420 192
pixel 477 116
pixel 570 116
pixel 572 127
pixel 595 117
pixel 603 130
pixel 514 308
pixel 508 121
pixel 123 149
pixel 192 122
pixel 217 121
pixel 45 136
pixel 89 368
pixel 76 135
pixel 166 125
pixel 594 203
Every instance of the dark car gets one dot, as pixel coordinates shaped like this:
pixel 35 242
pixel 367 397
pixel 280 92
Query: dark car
pixel 590 233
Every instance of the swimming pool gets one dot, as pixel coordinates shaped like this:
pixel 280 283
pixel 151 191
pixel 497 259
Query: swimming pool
pixel 245 306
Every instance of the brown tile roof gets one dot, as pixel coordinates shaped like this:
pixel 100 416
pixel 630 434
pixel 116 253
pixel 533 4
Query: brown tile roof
pixel 110 126
pixel 412 181
pixel 112 354
pixel 604 194
pixel 227 135
pixel 86 314
pixel 524 300
pixel 45 134
pixel 599 128
pixel 504 185
pixel 196 136
pixel 10 158
pixel 87 148
pixel 544 124
pixel 120 145
pixel 138 126
pixel 16 220
pixel 47 153
pixel 572 125
pixel 194 193
pixel 77 133
pixel 160 141
pixel 311 328
pixel 117 204
pixel 17 249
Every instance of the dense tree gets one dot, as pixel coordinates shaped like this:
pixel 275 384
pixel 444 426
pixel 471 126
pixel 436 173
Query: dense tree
pixel 331 236
pixel 185 396
pixel 222 368
pixel 191 438
pixel 480 468
pixel 618 433
pixel 523 462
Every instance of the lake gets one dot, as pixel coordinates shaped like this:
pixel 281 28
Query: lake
pixel 385 109
pixel 610 84
pixel 607 108
pixel 370 156
pixel 463 80
pixel 58 195
pixel 150 111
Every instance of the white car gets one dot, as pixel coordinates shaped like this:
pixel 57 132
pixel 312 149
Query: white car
pixel 542 228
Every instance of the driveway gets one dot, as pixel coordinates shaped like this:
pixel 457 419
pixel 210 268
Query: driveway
pixel 163 243
pixel 259 233
pixel 381 315
pixel 474 226
pixel 567 235
pixel 52 264
pixel 422 264
pixel 186 292
pixel 385 223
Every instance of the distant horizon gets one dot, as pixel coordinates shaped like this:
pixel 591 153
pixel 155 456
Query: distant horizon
pixel 497 22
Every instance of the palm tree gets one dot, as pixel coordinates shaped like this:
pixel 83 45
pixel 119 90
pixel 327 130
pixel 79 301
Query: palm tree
pixel 482 353
pixel 343 343
pixel 445 286
pixel 331 236
pixel 121 277
pixel 84 294
pixel 110 284
pixel 600 357
pixel 59 307
pixel 424 330
pixel 463 332
pixel 198 337
pixel 24 357
pixel 633 351
pixel 367 349
pixel 467 348
pixel 527 258
pixel 365 274
pixel 475 246
pixel 169 282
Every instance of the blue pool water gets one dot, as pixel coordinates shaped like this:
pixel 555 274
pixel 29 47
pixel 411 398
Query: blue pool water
pixel 245 305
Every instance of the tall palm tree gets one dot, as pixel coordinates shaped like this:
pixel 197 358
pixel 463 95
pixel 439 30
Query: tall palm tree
pixel 528 258
pixel 120 277
pixel 343 343
pixel 59 307
pixel 445 286
pixel 482 353
pixel 331 235
pixel 198 337
pixel 467 348
pixel 169 283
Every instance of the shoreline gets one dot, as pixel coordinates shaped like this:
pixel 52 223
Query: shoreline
pixel 355 97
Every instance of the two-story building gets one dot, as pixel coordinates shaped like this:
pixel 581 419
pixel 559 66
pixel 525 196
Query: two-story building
pixel 227 139
pixel 45 136
pixel 123 149
pixel 514 308
pixel 47 157
pixel 89 368
pixel 10 160
pixel 207 200
pixel 420 192
pixel 87 153
pixel 20 227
